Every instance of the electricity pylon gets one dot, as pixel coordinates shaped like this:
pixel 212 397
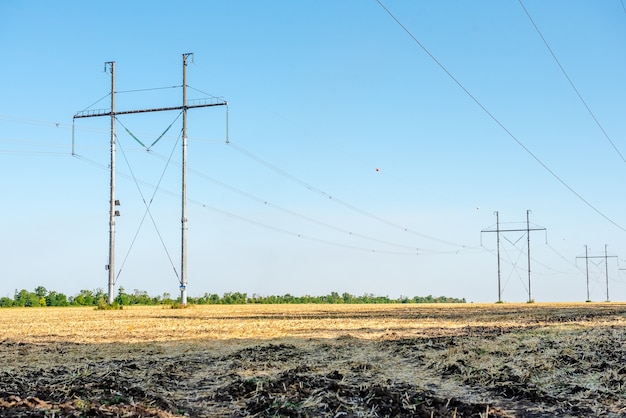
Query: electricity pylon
pixel 528 229
pixel 606 268
pixel 113 203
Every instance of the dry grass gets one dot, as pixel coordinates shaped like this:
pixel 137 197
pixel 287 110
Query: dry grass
pixel 228 322
pixel 306 360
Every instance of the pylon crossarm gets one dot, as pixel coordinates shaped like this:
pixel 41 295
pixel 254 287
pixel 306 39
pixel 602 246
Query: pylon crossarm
pixel 104 112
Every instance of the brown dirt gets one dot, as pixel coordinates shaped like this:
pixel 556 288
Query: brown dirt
pixel 308 361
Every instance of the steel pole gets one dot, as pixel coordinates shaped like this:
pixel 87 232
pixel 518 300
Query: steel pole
pixel 498 242
pixel 183 255
pixel 530 299
pixel 111 265
pixel 587 271
pixel 606 270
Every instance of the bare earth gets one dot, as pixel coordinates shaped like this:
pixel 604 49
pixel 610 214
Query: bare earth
pixel 511 360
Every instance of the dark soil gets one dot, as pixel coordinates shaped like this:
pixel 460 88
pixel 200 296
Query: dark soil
pixel 141 388
pixel 572 370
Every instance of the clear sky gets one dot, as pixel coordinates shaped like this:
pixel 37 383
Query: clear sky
pixel 370 144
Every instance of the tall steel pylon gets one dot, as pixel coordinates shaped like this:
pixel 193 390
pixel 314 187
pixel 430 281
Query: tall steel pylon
pixel 498 231
pixel 606 257
pixel 114 203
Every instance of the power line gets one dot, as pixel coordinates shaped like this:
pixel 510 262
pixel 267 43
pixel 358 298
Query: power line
pixel 249 220
pixel 412 249
pixel 301 236
pixel 310 187
pixel 562 257
pixel 31 121
pixel 205 93
pixel 147 89
pixel 35 153
pixel 571 83
pixel 96 102
pixel 267 203
pixel 60 125
pixel 341 202
pixel 497 121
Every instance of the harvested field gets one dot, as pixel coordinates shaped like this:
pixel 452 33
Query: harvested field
pixel 512 360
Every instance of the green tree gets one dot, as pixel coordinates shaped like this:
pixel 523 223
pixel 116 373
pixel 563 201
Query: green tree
pixel 33 300
pixel 56 299
pixel 41 291
pixel 141 297
pixel 100 297
pixel 122 297
pixel 20 297
pixel 26 298
pixel 84 298
pixel 167 299
pixel 235 298
pixel 334 298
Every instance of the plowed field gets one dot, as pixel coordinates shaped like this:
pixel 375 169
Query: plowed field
pixel 511 360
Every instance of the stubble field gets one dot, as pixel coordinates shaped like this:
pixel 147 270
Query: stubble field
pixel 510 360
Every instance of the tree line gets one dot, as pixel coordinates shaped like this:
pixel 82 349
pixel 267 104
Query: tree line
pixel 42 297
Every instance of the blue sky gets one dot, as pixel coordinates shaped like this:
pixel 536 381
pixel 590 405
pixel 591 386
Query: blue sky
pixel 463 110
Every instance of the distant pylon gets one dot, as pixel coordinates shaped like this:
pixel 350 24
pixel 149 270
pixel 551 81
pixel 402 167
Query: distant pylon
pixel 498 231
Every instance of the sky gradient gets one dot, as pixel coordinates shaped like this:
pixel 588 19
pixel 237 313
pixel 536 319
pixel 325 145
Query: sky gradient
pixel 370 143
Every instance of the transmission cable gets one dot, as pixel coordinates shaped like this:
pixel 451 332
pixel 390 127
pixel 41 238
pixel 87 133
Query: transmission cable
pixel 308 186
pixel 35 153
pixel 497 121
pixel 301 236
pixel 563 258
pixel 96 102
pixel 32 121
pixel 205 93
pixel 245 219
pixel 148 89
pixel 291 212
pixel 571 83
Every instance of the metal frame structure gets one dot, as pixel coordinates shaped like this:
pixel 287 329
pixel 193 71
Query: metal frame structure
pixel 528 229
pixel 114 203
pixel 606 269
